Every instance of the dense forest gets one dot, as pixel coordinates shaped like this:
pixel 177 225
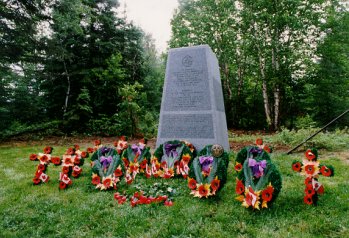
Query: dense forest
pixel 81 67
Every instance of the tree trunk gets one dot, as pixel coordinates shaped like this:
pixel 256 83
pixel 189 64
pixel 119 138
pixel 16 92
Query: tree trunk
pixel 264 82
pixel 265 92
pixel 276 107
pixel 67 95
pixel 226 81
pixel 276 68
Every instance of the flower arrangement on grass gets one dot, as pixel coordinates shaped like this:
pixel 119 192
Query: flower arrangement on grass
pixel 45 159
pixel 311 168
pixel 158 193
pixel 208 172
pixel 107 168
pixel 171 158
pixel 136 158
pixel 258 181
pixel 71 162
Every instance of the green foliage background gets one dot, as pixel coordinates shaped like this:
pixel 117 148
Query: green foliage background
pixel 82 67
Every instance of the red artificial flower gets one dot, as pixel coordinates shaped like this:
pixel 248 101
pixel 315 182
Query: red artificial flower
pixel 77 147
pixel 133 203
pixel 126 162
pixel 308 181
pixel 97 142
pixel 56 160
pixel 308 200
pixel 142 199
pixel 33 157
pixel 133 168
pixel 96 180
pixel 297 166
pixel 309 191
pixel 240 187
pixel 76 173
pixel 168 203
pixel 320 190
pixel 186 158
pixel 116 143
pixel 36 180
pixel 267 194
pixel 107 182
pixel 62 185
pixel 90 150
pixel 203 191
pixel 215 184
pixel 41 167
pixel 238 167
pixel 77 161
pixel 143 164
pixel 259 141
pixel 168 174
pixel 163 197
pixel 84 154
pixel 310 155
pixel 70 151
pixel 68 160
pixel 192 183
pixel 267 149
pixel 122 200
pixel 117 196
pixel 65 169
pixel 47 150
pixel 325 171
pixel 309 169
pixel 137 194
pixel 163 164
pixel 118 173
pixel 44 159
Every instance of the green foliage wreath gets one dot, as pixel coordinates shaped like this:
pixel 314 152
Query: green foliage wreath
pixel 208 172
pixel 258 181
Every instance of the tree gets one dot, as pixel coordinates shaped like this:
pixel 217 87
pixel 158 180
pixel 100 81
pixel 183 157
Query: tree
pixel 263 47
pixel 330 84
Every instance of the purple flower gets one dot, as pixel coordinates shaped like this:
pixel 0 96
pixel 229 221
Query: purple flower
pixel 255 151
pixel 257 167
pixel 105 150
pixel 206 162
pixel 137 149
pixel 105 161
pixel 170 150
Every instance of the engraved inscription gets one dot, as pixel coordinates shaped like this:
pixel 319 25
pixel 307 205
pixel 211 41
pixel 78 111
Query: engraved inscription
pixel 187 90
pixel 196 126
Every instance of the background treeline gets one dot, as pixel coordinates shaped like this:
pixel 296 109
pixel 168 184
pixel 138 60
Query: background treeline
pixel 79 66
pixel 76 66
pixel 283 62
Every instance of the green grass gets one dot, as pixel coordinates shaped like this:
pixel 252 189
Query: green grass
pixel 44 211
pixel 336 140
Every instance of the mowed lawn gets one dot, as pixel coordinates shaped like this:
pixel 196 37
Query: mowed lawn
pixel 80 211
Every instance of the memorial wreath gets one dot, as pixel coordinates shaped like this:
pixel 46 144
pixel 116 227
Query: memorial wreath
pixel 258 181
pixel 171 158
pixel 208 172
pixel 107 168
pixel 136 158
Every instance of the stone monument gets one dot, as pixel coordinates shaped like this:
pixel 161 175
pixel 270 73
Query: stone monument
pixel 192 106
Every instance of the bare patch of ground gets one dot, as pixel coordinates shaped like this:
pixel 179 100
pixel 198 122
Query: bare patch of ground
pixel 86 141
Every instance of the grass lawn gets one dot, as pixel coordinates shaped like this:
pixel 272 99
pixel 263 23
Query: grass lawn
pixel 80 211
